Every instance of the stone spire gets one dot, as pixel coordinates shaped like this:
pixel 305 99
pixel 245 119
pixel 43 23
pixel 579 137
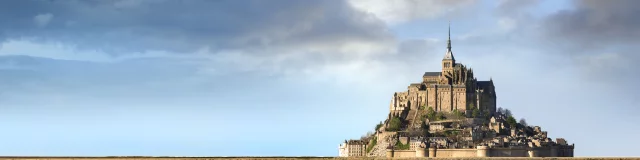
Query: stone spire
pixel 449 40
pixel 449 54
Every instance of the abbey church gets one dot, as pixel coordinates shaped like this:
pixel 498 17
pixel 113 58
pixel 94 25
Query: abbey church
pixel 453 88
pixel 452 114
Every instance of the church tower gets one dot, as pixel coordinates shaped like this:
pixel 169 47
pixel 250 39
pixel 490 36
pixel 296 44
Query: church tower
pixel 448 62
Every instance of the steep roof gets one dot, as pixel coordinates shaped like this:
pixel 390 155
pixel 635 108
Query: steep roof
pixel 484 84
pixel 449 54
pixel 356 142
pixel 432 74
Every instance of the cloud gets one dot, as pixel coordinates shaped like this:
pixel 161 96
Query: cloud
pixel 596 24
pixel 185 26
pixel 515 15
pixel 395 12
pixel 600 36
pixel 506 7
pixel 277 37
pixel 42 20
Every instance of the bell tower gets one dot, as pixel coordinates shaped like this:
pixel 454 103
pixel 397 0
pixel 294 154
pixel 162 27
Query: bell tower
pixel 448 62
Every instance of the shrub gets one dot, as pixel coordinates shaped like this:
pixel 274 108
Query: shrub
pixel 431 114
pixel 457 114
pixel 394 124
pixel 486 115
pixel 400 146
pixel 511 121
pixel 439 116
pixel 475 113
pixel 372 144
pixel 378 126
pixel 471 106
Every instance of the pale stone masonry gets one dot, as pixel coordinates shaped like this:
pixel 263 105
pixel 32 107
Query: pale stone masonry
pixel 452 114
pixel 453 88
pixel 353 148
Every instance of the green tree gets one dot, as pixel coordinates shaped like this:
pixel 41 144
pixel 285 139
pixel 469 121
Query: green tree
pixel 372 144
pixel 431 114
pixel 511 121
pixel 425 129
pixel 439 116
pixel 486 115
pixel 475 113
pixel 394 124
pixel 400 146
pixel 507 113
pixel 378 126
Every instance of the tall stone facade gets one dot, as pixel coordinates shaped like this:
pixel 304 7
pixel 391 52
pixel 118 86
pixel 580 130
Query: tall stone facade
pixel 453 88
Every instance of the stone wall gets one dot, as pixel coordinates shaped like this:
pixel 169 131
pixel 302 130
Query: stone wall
pixel 445 97
pixel 431 98
pixel 508 152
pixel 447 153
pixel 404 154
pixel 484 151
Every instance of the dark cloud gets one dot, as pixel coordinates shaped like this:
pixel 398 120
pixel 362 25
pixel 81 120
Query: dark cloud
pixel 506 7
pixel 601 38
pixel 186 25
pixel 596 24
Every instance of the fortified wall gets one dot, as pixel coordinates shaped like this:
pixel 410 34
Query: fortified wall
pixel 483 151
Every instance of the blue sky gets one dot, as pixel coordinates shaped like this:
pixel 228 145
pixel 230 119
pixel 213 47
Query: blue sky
pixel 296 78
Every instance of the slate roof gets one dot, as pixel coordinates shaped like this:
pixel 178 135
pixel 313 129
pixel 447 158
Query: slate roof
pixel 483 84
pixel 415 84
pixel 449 55
pixel 432 74
pixel 356 142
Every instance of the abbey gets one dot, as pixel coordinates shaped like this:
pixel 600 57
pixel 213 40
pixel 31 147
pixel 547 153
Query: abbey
pixel 452 114
pixel 453 88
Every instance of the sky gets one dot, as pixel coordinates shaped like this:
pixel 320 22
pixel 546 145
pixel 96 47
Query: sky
pixel 297 78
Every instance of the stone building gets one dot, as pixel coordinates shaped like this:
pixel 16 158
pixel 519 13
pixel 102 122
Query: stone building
pixel 453 88
pixel 353 148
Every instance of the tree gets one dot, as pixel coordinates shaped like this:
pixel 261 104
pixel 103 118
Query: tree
pixel 523 122
pixel 394 124
pixel 511 121
pixel 486 115
pixel 457 114
pixel 439 116
pixel 507 113
pixel 425 129
pixel 470 106
pixel 431 114
pixel 475 113
pixel 372 144
pixel 500 110
pixel 378 126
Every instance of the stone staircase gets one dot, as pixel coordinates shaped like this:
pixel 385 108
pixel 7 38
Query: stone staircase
pixel 380 150
pixel 417 119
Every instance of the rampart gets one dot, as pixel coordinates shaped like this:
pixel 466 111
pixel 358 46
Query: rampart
pixel 484 151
